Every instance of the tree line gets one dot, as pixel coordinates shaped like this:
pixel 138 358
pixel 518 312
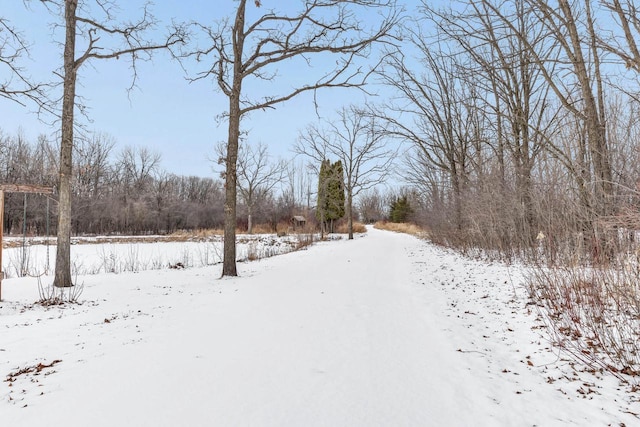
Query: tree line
pixel 127 191
pixel 521 123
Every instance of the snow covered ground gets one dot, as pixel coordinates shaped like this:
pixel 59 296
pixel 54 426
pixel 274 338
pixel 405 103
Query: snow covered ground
pixel 385 330
pixel 117 254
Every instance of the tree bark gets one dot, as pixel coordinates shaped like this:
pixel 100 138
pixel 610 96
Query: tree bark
pixel 231 177
pixel 1 234
pixel 63 252
pixel 230 202
pixel 350 212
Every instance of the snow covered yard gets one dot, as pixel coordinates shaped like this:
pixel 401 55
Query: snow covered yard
pixel 117 254
pixel 385 330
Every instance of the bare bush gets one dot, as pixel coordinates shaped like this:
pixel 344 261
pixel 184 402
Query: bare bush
pixel 593 314
pixel 52 295
pixel 109 260
pixel 21 262
pixel 132 260
pixel 210 254
pixel 304 241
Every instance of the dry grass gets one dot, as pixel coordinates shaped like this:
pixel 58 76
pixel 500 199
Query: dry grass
pixel 198 234
pixel 400 227
pixel 358 227
pixel 263 229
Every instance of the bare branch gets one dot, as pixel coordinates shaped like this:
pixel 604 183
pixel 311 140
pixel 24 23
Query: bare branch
pixel 17 86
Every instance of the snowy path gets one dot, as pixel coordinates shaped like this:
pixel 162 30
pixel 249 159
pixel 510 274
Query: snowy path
pixel 385 330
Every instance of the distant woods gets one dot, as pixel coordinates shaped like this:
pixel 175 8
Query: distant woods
pixel 118 191
pixel 126 191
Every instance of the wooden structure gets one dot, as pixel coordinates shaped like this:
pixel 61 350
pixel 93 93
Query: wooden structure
pixel 15 188
pixel 298 221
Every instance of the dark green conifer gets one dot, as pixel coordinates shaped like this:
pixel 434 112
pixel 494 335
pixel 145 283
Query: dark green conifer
pixel 331 196
pixel 400 209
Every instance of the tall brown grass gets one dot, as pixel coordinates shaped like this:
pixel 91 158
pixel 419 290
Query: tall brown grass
pixel 401 227
pixel 358 227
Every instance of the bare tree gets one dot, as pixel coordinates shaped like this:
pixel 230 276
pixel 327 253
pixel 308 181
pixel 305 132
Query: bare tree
pixel 571 27
pixel 372 206
pixel 92 163
pixel 301 178
pixel 252 51
pixel 136 167
pixel 430 113
pixel 519 98
pixel 257 175
pixel 104 39
pixel 355 139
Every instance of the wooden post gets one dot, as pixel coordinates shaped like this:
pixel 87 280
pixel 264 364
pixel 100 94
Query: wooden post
pixel 15 188
pixel 1 233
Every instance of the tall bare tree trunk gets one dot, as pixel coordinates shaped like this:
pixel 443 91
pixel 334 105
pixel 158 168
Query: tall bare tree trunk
pixel 231 174
pixel 594 129
pixel 63 253
pixel 596 137
pixel 250 221
pixel 350 212
pixel 230 202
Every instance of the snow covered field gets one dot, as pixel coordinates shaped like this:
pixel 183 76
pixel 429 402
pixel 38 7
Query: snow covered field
pixel 385 330
pixel 130 254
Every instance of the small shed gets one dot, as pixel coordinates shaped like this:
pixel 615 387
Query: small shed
pixel 298 221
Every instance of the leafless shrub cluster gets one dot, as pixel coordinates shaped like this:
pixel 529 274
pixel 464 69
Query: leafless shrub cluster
pixel 53 295
pixel 303 241
pixel 267 247
pixel 594 314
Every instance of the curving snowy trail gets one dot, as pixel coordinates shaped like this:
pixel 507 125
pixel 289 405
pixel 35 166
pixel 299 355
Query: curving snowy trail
pixel 385 330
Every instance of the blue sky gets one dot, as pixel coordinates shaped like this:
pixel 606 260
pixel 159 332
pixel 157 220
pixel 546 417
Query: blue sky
pixel 165 112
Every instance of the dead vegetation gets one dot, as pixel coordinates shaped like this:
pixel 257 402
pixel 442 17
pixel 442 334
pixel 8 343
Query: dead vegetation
pixel 358 227
pixel 593 314
pixel 34 369
pixel 401 227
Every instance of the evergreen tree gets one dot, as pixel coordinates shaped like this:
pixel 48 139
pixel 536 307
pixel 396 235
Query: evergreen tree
pixel 331 196
pixel 335 190
pixel 321 211
pixel 400 209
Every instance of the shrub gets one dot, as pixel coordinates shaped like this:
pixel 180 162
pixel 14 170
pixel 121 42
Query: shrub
pixel 593 314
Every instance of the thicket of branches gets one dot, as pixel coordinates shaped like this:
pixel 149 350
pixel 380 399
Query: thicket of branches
pixel 122 191
pixel 522 124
